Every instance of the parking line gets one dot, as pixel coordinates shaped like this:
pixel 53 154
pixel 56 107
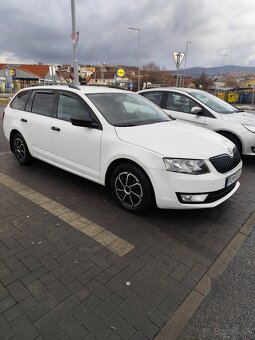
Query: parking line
pixel 96 232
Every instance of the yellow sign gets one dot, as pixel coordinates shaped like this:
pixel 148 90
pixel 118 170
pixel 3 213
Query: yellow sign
pixel 120 72
pixel 12 72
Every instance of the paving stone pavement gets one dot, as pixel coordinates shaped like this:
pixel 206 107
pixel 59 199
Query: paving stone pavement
pixel 59 283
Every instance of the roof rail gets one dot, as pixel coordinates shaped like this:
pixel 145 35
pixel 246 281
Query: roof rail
pixel 74 86
pixel 109 86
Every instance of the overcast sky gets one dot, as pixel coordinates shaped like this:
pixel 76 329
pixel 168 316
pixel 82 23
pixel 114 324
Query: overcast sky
pixel 35 31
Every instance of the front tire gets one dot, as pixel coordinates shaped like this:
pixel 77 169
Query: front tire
pixel 131 188
pixel 235 140
pixel 20 149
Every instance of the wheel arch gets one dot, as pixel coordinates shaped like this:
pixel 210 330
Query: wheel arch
pixel 12 134
pixel 229 134
pixel 119 161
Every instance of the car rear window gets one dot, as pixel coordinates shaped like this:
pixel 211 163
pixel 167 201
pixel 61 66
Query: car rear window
pixel 43 103
pixel 20 100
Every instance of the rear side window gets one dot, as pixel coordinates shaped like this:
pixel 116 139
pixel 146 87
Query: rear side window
pixel 20 100
pixel 43 103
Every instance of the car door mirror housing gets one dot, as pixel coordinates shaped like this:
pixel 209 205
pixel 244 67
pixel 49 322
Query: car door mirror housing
pixel 197 110
pixel 85 122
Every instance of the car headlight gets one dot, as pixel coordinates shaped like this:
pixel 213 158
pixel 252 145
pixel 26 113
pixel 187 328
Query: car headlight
pixel 250 128
pixel 186 166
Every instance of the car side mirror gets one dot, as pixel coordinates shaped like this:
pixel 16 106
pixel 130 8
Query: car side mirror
pixel 197 110
pixel 85 122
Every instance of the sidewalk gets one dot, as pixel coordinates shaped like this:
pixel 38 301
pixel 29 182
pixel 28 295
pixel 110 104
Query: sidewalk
pixel 228 312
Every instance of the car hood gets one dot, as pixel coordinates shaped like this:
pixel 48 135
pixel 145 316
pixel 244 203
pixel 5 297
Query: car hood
pixel 243 117
pixel 176 139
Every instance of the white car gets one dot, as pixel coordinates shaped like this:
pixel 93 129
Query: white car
pixel 123 141
pixel 206 110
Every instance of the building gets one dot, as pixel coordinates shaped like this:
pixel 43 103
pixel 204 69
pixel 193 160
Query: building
pixel 16 76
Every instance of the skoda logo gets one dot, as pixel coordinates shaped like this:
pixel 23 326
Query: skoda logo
pixel 230 152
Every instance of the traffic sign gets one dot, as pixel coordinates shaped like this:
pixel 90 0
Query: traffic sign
pixel 178 57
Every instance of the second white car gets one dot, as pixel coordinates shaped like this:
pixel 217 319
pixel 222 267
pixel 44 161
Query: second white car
pixel 206 110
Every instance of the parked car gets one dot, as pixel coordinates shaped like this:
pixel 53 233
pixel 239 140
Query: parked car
pixel 123 141
pixel 206 110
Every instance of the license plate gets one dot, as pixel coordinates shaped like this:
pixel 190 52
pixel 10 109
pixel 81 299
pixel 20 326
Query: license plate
pixel 233 178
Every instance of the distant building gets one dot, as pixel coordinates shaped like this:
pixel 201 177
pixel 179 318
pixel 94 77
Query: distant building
pixel 19 76
pixel 249 84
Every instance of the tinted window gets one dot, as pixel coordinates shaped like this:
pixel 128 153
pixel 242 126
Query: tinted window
pixel 69 107
pixel 154 96
pixel 20 100
pixel 43 103
pixel 179 102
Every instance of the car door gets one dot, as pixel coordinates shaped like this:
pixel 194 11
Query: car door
pixel 36 122
pixel 180 106
pixel 75 148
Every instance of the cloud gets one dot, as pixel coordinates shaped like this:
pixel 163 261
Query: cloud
pixel 39 31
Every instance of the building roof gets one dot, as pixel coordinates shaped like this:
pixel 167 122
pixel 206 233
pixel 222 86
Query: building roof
pixel 38 70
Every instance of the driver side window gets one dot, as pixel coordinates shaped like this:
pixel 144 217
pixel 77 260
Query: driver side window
pixel 69 107
pixel 179 102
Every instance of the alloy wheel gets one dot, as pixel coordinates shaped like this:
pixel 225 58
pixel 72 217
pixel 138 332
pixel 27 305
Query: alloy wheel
pixel 128 189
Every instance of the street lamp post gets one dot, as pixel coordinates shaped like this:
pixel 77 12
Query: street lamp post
pixel 138 67
pixel 92 50
pixel 74 42
pixel 185 61
pixel 222 66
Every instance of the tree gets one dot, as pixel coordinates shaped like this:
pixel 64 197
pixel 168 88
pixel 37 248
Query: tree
pixel 204 82
pixel 151 67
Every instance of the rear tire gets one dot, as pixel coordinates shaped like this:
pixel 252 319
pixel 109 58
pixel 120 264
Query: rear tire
pixel 131 188
pixel 20 149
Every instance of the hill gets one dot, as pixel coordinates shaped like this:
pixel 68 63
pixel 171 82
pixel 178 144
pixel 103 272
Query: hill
pixel 211 71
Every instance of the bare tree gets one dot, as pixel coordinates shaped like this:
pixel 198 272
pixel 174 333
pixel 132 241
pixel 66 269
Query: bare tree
pixel 151 67
pixel 204 82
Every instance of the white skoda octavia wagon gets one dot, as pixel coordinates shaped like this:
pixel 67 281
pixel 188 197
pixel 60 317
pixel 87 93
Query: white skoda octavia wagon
pixel 124 142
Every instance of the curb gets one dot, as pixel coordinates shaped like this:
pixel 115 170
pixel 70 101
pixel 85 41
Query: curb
pixel 183 314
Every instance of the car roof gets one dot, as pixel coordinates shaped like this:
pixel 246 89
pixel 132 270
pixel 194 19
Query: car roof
pixel 172 89
pixel 81 89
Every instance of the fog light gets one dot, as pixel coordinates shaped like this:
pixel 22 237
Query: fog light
pixel 253 149
pixel 193 198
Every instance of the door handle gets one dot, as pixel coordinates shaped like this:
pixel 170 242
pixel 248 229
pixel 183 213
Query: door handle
pixel 55 128
pixel 23 120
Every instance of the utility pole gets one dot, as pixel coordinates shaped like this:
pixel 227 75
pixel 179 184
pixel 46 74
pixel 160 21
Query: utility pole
pixel 222 66
pixel 185 61
pixel 75 43
pixel 138 54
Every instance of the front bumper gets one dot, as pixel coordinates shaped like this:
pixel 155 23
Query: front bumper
pixel 169 185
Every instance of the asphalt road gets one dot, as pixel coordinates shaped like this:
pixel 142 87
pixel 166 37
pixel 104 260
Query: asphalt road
pixel 1 110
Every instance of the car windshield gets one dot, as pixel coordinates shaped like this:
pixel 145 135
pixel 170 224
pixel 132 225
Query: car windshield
pixel 127 109
pixel 214 102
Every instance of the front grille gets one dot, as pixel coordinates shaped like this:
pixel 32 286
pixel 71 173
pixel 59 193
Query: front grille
pixel 225 163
